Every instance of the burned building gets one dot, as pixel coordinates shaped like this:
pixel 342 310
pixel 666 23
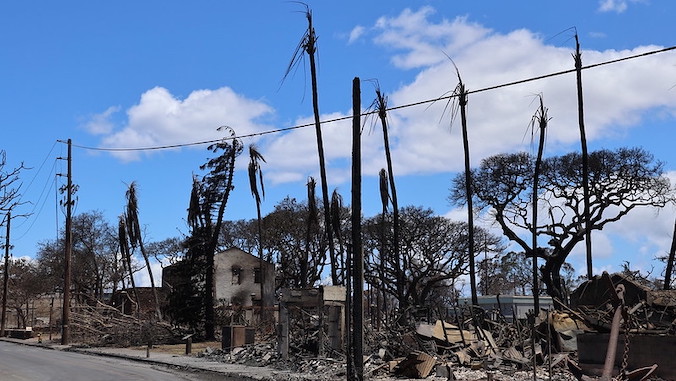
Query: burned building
pixel 237 278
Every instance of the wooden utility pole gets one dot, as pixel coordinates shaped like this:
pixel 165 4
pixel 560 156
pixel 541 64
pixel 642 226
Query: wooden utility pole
pixel 5 279
pixel 358 254
pixel 65 319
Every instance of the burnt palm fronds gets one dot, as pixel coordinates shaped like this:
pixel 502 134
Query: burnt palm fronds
pixel 136 239
pixel 256 174
pixel 256 179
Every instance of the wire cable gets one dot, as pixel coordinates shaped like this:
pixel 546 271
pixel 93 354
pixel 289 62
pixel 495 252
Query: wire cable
pixel 278 130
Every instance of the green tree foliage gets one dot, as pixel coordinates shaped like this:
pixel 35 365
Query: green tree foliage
pixel 619 181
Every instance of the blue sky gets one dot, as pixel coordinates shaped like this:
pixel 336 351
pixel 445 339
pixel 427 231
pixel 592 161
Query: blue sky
pixel 129 74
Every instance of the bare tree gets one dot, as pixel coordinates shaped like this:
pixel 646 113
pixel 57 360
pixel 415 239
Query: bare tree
pixel 621 180
pixel 434 248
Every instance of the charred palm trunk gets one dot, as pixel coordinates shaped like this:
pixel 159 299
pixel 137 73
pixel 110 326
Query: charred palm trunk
pixel 384 198
pixel 256 174
pixel 358 263
pixel 670 262
pixel 585 158
pixel 135 238
pixel 126 257
pixel 310 48
pixel 541 119
pixel 311 222
pixel 336 209
pixel 462 99
pixel 382 114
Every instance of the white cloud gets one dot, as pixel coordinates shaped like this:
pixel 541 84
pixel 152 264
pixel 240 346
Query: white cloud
pixel 356 32
pixel 162 119
pixel 293 156
pixel 617 6
pixel 617 97
pixel 100 124
pixel 141 277
pixel 423 42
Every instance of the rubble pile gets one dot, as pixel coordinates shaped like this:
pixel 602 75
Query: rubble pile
pixel 467 346
pixel 439 351
pixel 468 343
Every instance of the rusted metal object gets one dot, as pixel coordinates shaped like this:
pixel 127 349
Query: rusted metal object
pixel 614 333
pixel 620 315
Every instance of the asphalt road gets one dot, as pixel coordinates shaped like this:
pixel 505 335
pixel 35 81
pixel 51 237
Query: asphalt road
pixel 26 363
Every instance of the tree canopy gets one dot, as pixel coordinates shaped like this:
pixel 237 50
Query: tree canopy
pixel 94 262
pixel 619 180
pixel 433 252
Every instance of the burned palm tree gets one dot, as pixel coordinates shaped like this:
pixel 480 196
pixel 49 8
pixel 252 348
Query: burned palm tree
pixel 311 222
pixel 256 178
pixel 126 256
pixel 336 212
pixel 459 101
pixel 670 262
pixel 539 121
pixel 585 156
pixel 136 239
pixel 215 192
pixel 384 199
pixel 308 45
pixel 381 103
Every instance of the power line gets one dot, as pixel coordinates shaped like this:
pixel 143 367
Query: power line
pixel 514 83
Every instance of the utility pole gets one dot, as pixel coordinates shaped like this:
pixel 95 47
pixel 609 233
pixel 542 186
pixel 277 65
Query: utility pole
pixel 5 280
pixel 65 317
pixel 357 252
